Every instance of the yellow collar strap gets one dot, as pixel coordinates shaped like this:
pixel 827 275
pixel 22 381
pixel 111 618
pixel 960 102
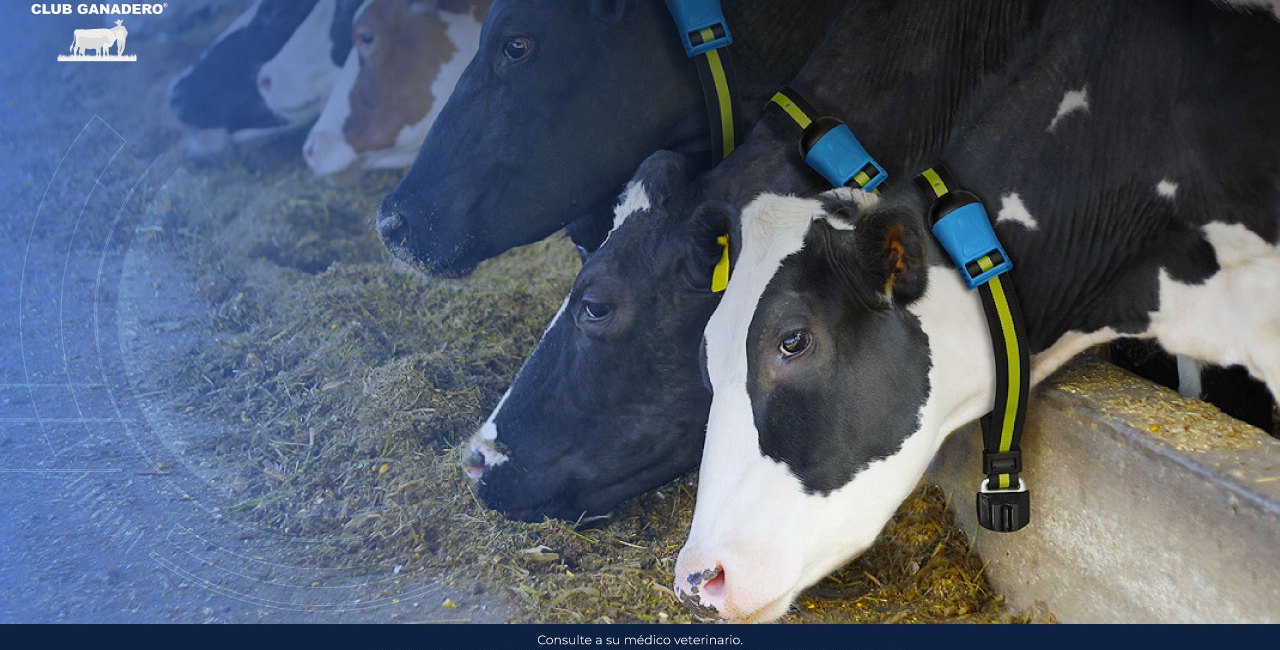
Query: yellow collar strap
pixel 705 36
pixel 961 224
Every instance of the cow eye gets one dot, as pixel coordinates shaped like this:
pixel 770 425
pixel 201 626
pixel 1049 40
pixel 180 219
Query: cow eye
pixel 795 343
pixel 596 311
pixel 517 48
pixel 364 38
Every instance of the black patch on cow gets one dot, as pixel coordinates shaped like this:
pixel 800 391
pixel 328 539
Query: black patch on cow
pixel 344 17
pixel 1193 106
pixel 221 90
pixel 856 394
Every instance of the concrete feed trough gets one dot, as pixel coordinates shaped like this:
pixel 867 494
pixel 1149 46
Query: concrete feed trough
pixel 1146 507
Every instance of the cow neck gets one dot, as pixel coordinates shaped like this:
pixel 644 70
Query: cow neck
pixel 878 90
pixel 704 34
pixel 774 40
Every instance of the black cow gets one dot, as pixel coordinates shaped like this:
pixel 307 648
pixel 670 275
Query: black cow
pixel 559 107
pixel 1131 161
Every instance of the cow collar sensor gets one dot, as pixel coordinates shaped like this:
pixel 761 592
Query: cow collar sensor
pixel 961 225
pixel 827 144
pixel 705 35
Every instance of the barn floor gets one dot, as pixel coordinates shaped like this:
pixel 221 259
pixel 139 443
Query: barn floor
pixel 290 399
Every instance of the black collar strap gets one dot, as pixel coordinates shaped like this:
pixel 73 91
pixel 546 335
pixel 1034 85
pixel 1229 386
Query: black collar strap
pixel 705 35
pixel 828 145
pixel 962 226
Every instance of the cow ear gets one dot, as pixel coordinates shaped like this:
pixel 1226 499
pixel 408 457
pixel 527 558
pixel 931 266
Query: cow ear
pixel 882 260
pixel 713 244
pixel 609 11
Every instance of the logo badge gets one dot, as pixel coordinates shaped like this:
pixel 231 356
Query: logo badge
pixel 97 45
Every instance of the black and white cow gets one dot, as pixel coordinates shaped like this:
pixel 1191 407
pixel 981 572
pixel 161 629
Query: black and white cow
pixel 272 68
pixel 1131 162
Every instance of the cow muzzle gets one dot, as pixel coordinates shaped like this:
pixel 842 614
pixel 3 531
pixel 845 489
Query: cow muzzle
pixel 327 153
pixel 481 453
pixel 741 583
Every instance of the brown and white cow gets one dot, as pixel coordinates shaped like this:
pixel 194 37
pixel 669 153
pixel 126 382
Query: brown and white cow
pixel 407 56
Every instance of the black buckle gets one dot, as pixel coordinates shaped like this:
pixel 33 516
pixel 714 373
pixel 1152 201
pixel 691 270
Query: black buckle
pixel 1002 462
pixel 1004 511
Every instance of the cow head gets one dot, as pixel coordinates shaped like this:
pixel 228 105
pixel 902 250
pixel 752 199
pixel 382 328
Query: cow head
pixel 297 80
pixel 826 359
pixel 560 104
pixel 227 93
pixel 408 56
pixel 611 403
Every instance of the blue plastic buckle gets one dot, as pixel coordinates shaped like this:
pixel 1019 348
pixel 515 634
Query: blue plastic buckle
pixel 839 157
pixel 693 16
pixel 967 236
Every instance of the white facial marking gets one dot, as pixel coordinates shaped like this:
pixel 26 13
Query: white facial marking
pixel 483 440
pixel 463 31
pixel 330 151
pixel 1012 209
pixel 1167 188
pixel 1072 101
pixel 634 199
pixel 302 73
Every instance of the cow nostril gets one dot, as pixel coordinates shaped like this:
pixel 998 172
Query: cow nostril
pixel 393 228
pixel 714 587
pixel 474 465
pixel 708 580
pixel 264 83
pixel 704 594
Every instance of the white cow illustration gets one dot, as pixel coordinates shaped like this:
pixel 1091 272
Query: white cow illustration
pixel 99 40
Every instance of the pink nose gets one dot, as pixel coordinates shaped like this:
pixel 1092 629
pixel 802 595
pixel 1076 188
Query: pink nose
pixel 473 465
pixel 319 147
pixel 704 592
pixel 736 580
